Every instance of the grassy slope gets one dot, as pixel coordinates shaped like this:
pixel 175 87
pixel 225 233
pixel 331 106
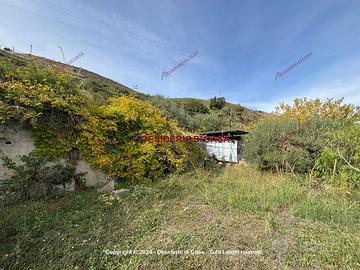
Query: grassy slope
pixel 234 116
pixel 102 88
pixel 295 224
pixel 95 82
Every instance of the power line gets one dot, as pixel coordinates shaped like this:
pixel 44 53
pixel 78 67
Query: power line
pixel 139 38
pixel 135 36
pixel 68 25
pixel 60 22
pixel 116 29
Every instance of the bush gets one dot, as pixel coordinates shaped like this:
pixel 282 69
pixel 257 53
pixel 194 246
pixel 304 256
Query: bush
pixel 208 122
pixel 239 109
pixel 33 178
pixel 217 103
pixel 340 161
pixel 111 140
pixel 172 108
pixel 303 108
pixel 194 106
pixel 198 122
pixel 39 95
pixel 107 134
pixel 288 144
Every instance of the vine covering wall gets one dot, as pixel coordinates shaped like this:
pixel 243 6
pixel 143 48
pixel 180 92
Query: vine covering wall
pixel 65 120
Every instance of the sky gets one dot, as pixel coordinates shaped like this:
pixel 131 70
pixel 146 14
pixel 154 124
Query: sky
pixel 241 45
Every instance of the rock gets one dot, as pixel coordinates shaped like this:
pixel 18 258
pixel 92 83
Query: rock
pixel 109 187
pixel 67 186
pixel 120 192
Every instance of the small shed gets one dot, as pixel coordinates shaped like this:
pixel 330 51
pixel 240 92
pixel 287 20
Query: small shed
pixel 226 151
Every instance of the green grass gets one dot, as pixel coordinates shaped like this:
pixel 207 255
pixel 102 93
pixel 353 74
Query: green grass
pixel 295 224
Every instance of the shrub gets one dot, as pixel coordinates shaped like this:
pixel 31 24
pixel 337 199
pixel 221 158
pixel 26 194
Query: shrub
pixel 198 122
pixel 217 103
pixel 209 122
pixel 239 108
pixel 340 161
pixel 288 144
pixel 34 178
pixel 172 108
pixel 311 135
pixel 63 119
pixel 194 106
pixel 39 95
pixel 110 139
pixel 304 108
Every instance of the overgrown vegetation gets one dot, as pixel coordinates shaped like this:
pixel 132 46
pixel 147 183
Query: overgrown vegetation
pixel 64 119
pixel 301 210
pixel 340 160
pixel 34 177
pixel 194 106
pixel 287 144
pixel 293 224
pixel 217 103
pixel 310 137
pixel 195 116
pixel 303 108
pixel 98 90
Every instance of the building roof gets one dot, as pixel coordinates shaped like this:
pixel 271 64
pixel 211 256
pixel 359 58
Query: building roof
pixel 229 133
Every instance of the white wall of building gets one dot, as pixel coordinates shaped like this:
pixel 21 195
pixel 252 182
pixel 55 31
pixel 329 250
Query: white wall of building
pixel 224 151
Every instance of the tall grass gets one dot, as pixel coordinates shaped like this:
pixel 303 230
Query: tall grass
pixel 243 188
pixel 297 225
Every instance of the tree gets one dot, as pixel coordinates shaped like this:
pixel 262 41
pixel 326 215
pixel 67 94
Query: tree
pixel 217 103
pixel 304 108
pixel 194 106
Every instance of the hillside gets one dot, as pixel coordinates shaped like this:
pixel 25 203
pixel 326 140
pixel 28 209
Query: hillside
pixel 97 83
pixel 232 116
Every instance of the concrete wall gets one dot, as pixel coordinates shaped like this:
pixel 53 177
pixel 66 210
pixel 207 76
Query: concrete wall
pixel 16 141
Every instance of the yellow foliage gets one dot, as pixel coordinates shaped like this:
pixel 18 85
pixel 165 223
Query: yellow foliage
pixel 107 136
pixel 113 140
pixel 331 108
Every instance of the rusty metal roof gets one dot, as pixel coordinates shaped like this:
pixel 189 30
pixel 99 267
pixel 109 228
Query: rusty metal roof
pixel 230 133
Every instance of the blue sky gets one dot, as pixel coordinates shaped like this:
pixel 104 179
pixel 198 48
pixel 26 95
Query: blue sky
pixel 241 45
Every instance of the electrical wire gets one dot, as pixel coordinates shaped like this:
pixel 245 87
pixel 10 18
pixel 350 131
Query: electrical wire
pixel 52 6
pixel 139 37
pixel 134 35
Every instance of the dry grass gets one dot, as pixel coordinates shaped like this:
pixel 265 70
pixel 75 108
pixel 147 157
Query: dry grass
pixel 294 225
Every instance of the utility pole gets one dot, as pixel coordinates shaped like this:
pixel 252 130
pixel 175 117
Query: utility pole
pixel 30 49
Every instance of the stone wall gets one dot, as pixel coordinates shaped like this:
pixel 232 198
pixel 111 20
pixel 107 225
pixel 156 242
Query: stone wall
pixel 16 141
